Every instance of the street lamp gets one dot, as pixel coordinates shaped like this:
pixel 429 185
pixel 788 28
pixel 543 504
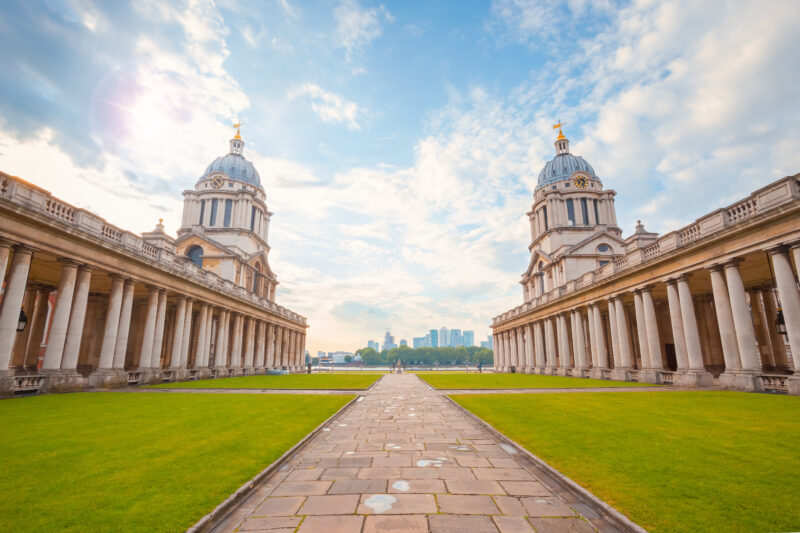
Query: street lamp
pixel 780 324
pixel 23 320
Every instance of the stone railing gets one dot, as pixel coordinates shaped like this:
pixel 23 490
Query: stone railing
pixel 28 384
pixel 773 196
pixel 169 375
pixel 32 198
pixel 605 373
pixel 774 382
pixel 665 377
pixel 134 377
pixel 633 375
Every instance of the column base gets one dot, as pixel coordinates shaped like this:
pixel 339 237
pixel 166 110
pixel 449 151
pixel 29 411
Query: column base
pixel 620 374
pixel 260 370
pixel 63 381
pixel 693 378
pixel 220 372
pixel 149 376
pixel 794 385
pixel 596 373
pixel 648 376
pixel 580 372
pixel 743 381
pixel 561 371
pixel 550 371
pixel 203 373
pixel 182 374
pixel 108 378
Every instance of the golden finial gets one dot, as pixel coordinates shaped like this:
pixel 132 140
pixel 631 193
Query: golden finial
pixel 237 126
pixel 560 133
pixel 160 220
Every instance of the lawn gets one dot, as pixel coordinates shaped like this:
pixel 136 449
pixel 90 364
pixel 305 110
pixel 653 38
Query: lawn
pixel 518 381
pixel 288 381
pixel 140 462
pixel 671 461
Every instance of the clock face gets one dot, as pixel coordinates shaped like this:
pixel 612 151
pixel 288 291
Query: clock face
pixel 216 182
pixel 581 182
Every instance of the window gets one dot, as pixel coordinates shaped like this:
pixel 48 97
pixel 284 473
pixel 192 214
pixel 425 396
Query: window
pixel 570 212
pixel 253 218
pixel 228 207
pixel 585 211
pixel 602 263
pixel 195 254
pixel 213 220
pixel 544 217
pixel 603 248
pixel 596 213
pixel 202 211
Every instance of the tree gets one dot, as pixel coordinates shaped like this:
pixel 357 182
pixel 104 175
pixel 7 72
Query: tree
pixel 348 359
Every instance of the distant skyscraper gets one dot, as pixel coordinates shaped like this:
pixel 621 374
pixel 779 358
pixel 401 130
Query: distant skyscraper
pixel 427 340
pixel 469 338
pixel 419 342
pixel 455 338
pixel 388 341
pixel 434 338
pixel 444 336
pixel 403 342
pixel 488 343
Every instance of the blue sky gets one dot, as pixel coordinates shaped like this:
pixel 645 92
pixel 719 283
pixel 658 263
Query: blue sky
pixel 399 143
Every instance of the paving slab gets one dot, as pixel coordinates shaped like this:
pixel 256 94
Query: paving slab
pixel 406 460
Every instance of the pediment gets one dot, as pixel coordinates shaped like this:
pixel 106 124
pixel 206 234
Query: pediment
pixel 210 246
pixel 536 257
pixel 589 245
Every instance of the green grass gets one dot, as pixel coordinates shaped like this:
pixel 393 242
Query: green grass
pixel 671 461
pixel 140 462
pixel 290 381
pixel 518 381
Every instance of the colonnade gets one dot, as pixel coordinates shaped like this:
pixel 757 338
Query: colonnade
pixel 131 332
pixel 632 335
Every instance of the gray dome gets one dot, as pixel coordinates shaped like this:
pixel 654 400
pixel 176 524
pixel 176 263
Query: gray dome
pixel 235 166
pixel 561 168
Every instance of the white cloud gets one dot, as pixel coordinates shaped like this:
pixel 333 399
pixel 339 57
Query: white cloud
pixel 330 107
pixel 357 27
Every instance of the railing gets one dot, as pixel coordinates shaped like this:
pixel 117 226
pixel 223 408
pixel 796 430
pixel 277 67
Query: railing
pixel 633 375
pixel 192 374
pixel 168 375
pixel 774 382
pixel 32 198
pixel 772 196
pixel 665 377
pixel 605 374
pixel 27 384
pixel 134 377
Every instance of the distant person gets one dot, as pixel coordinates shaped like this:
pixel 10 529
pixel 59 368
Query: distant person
pixel 480 368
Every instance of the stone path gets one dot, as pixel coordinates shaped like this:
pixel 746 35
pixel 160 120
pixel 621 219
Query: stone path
pixel 403 459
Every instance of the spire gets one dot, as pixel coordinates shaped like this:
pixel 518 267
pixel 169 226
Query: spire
pixel 237 144
pixel 562 143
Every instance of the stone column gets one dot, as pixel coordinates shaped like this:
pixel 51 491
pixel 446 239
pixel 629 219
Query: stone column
pixel 600 343
pixel 742 320
pixel 580 345
pixel 625 357
pixel 158 337
pixel 522 364
pixel 112 323
pixel 530 353
pixel 512 344
pixel 538 340
pixel 186 338
pixel 550 342
pixel 790 305
pixel 278 347
pixel 11 305
pixel 177 333
pixel 696 376
pixel 249 348
pixel 495 354
pixel 285 349
pixel 612 322
pixel 260 347
pixel 148 336
pixel 653 339
pixel 593 352
pixel 221 356
pixel 5 253
pixel 235 353
pixel 778 343
pixel 291 352
pixel 270 346
pixel 60 316
pixel 207 344
pixel 565 362
pixel 727 331
pixel 676 321
pixel 646 374
pixel 121 346
pixel 763 338
pixel 202 324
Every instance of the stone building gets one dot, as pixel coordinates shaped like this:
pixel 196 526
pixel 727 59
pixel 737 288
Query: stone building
pixel 715 302
pixel 88 304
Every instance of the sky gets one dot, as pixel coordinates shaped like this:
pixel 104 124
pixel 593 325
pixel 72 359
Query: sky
pixel 399 142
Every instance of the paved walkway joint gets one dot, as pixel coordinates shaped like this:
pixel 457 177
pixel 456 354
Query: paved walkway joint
pixel 404 459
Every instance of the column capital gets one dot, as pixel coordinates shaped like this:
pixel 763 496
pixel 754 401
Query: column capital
pixel 734 262
pixel 23 249
pixel 180 297
pixel 716 267
pixel 153 288
pixel 67 261
pixel 782 248
pixel 5 243
pixel 115 277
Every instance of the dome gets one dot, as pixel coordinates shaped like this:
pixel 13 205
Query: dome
pixel 564 164
pixel 235 166
pixel 561 167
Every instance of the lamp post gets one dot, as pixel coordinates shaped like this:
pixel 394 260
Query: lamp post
pixel 23 320
pixel 780 324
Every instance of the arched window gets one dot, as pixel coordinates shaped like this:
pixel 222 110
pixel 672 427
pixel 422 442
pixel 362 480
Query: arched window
pixel 603 248
pixel 195 254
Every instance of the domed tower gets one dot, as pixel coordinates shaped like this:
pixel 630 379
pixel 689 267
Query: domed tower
pixel 225 223
pixel 573 223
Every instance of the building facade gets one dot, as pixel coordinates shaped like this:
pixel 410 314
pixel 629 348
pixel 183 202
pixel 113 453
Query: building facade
pixel 713 303
pixel 141 309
